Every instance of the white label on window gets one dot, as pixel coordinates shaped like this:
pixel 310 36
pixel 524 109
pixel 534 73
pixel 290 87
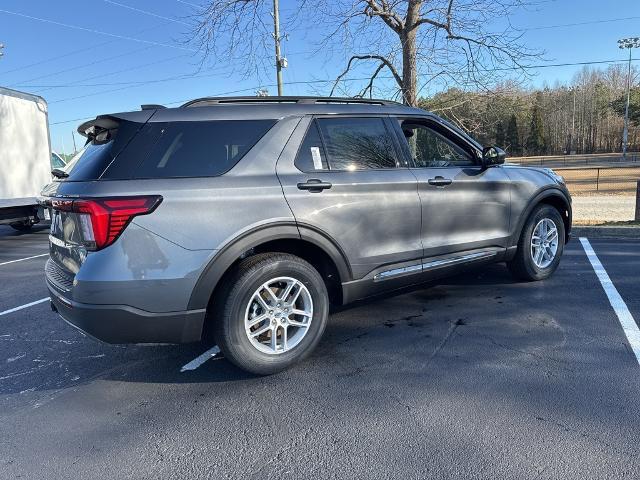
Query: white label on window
pixel 317 160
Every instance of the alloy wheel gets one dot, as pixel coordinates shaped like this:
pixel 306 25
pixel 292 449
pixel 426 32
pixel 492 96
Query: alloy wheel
pixel 544 243
pixel 278 315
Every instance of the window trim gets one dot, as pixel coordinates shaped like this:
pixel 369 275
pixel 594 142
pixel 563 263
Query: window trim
pixel 443 130
pixel 398 153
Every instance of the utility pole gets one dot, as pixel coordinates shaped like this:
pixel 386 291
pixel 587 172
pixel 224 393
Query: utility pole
pixel 629 43
pixel 280 61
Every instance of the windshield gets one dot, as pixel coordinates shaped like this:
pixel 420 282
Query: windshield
pixel 57 161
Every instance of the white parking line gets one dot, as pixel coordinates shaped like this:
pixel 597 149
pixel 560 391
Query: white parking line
pixel 23 259
pixel 200 359
pixel 26 305
pixel 629 326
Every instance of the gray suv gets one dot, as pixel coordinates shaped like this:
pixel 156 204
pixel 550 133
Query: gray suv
pixel 241 220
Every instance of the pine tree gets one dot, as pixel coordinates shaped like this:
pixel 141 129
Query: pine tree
pixel 512 138
pixel 500 134
pixel 535 142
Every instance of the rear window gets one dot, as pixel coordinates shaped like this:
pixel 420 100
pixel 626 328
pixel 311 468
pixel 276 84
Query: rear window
pixel 172 149
pixel 91 161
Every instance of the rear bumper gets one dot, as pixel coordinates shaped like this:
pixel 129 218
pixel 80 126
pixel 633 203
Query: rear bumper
pixel 125 324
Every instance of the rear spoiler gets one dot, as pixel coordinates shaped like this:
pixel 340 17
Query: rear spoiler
pixel 98 128
pixel 103 124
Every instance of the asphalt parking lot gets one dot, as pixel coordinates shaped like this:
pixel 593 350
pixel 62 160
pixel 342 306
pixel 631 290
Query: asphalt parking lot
pixel 478 377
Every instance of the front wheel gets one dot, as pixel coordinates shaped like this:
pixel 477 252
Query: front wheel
pixel 540 246
pixel 271 313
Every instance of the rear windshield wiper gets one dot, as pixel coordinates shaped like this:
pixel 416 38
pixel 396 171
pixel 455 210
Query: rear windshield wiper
pixel 59 173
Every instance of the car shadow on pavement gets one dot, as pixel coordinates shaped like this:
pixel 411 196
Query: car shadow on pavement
pixel 430 312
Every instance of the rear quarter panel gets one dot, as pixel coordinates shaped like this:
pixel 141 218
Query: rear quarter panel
pixel 159 258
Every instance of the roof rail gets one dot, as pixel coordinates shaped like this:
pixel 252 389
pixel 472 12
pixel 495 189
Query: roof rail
pixel 309 100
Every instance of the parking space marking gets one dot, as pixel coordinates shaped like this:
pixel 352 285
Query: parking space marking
pixel 629 325
pixel 26 305
pixel 200 359
pixel 23 259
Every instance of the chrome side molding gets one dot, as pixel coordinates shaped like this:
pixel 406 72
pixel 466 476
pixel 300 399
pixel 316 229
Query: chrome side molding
pixel 413 269
pixel 454 260
pixel 397 272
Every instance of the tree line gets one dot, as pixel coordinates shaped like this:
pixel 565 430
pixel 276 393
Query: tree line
pixel 585 116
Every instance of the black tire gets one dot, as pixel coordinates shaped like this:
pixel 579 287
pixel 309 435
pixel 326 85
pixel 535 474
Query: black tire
pixel 522 266
pixel 231 304
pixel 22 226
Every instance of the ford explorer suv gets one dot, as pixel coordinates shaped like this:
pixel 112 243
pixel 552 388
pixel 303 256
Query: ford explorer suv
pixel 241 220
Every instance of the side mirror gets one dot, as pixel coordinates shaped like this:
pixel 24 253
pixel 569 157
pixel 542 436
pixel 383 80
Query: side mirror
pixel 493 156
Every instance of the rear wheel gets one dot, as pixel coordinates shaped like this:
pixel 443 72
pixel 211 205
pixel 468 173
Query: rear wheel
pixel 271 312
pixel 540 246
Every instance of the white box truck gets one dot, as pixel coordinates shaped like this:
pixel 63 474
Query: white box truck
pixel 25 157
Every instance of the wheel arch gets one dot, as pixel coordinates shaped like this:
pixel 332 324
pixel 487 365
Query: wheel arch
pixel 306 242
pixel 550 196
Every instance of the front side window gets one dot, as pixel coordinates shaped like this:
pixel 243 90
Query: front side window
pixel 428 148
pixel 357 143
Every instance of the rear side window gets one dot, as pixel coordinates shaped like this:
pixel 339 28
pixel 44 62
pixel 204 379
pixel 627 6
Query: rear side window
pixel 197 149
pixel 357 143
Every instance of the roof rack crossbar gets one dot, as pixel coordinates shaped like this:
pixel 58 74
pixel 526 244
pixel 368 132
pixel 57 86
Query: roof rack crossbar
pixel 285 99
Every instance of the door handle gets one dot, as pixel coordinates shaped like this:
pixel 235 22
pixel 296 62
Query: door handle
pixel 440 181
pixel 314 185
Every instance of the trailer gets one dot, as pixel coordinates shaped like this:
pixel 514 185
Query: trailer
pixel 25 157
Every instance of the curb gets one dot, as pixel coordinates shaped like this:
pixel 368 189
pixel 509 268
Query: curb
pixel 606 232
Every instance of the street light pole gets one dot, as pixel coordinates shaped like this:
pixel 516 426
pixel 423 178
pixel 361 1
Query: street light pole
pixel 629 43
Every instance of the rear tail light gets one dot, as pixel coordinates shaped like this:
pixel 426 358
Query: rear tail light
pixel 102 220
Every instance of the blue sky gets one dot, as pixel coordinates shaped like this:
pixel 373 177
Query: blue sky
pixel 82 73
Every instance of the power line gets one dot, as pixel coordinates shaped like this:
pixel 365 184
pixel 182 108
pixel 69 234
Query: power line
pixel 220 94
pixel 114 73
pixel 208 75
pixel 74 52
pixel 99 32
pixel 189 3
pixel 145 12
pixel 23 83
pixel 544 27
pixel 124 70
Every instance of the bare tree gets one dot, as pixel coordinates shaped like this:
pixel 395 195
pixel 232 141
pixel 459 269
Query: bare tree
pixel 454 41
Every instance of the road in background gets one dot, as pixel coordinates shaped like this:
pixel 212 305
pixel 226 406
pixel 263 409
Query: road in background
pixel 479 377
